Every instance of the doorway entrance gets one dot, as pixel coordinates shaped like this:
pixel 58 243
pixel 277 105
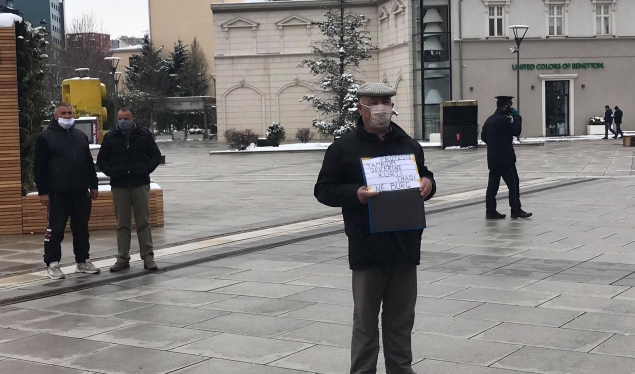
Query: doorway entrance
pixel 557 111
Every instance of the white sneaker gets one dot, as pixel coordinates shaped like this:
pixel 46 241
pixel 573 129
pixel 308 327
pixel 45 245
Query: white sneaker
pixel 54 271
pixel 87 268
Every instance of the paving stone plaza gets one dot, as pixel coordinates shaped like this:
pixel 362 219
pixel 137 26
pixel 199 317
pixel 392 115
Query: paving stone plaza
pixel 255 275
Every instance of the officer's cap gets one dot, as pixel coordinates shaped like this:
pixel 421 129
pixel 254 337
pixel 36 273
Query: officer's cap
pixel 507 98
pixel 376 90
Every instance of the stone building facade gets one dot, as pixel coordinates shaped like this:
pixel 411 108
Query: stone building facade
pixel 258 47
pixel 577 57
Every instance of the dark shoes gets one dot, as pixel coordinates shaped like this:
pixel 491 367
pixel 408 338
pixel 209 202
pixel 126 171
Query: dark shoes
pixel 119 266
pixel 149 264
pixel 494 215
pixel 605 137
pixel 521 214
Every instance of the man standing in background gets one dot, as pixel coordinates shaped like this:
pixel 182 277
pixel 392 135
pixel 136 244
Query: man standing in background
pixel 66 182
pixel 128 155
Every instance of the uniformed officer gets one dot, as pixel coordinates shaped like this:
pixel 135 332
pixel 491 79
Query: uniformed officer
pixel 498 133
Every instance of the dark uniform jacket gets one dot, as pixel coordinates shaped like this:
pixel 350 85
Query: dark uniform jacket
pixel 498 133
pixel 340 178
pixel 63 163
pixel 618 116
pixel 608 116
pixel 129 160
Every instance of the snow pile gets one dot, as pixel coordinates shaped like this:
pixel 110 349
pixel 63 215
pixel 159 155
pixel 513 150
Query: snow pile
pixel 8 19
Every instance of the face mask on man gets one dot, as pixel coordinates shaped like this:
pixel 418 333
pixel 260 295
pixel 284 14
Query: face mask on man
pixel 380 115
pixel 125 124
pixel 66 123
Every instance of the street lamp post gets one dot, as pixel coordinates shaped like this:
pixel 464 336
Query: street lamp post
pixel 518 30
pixel 113 64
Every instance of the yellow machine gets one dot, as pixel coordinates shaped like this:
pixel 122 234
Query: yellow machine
pixel 86 95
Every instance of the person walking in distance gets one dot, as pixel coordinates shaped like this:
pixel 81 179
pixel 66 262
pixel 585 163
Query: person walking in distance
pixel 498 133
pixel 384 265
pixel 608 122
pixel 66 182
pixel 617 115
pixel 128 155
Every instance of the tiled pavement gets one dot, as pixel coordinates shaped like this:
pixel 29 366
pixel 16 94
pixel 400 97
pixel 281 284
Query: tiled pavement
pixel 552 294
pixel 209 195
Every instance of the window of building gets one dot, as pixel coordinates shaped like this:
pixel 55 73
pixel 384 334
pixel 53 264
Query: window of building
pixel 496 21
pixel 603 19
pixel 556 20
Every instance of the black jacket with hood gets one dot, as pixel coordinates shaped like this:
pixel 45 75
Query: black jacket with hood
pixel 129 160
pixel 340 178
pixel 63 163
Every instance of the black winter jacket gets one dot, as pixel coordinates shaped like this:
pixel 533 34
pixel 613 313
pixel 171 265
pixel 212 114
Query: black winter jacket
pixel 498 133
pixel 608 117
pixel 618 116
pixel 340 178
pixel 128 161
pixel 63 163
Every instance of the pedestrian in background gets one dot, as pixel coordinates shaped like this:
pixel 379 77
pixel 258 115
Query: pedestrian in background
pixel 128 155
pixel 66 182
pixel 384 265
pixel 617 116
pixel 608 122
pixel 498 133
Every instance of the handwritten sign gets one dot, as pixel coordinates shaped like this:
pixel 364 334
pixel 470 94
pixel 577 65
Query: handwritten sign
pixel 391 173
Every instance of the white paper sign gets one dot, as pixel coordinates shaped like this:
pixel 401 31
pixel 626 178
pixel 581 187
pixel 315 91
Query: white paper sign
pixel 391 173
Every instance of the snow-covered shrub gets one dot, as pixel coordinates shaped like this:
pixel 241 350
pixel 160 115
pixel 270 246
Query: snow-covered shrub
pixel 304 135
pixel 240 140
pixel 276 134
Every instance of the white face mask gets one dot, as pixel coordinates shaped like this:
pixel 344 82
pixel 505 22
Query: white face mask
pixel 380 115
pixel 66 123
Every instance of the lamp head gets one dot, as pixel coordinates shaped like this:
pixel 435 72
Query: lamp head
pixel 519 32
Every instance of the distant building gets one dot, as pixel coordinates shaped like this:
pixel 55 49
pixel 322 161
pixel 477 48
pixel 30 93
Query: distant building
pixel 46 13
pixel 125 41
pixel 97 40
pixel 126 54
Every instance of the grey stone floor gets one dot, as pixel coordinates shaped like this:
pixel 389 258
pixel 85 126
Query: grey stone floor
pixel 551 294
pixel 208 195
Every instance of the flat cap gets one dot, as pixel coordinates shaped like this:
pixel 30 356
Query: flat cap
pixel 376 90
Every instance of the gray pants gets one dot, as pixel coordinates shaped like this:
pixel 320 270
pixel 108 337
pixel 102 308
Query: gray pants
pixel 127 200
pixel 396 286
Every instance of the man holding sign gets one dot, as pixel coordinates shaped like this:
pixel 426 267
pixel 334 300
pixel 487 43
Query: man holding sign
pixel 384 264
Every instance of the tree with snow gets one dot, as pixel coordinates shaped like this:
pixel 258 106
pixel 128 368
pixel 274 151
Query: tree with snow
pixel 148 72
pixel 196 75
pixel 345 46
pixel 178 60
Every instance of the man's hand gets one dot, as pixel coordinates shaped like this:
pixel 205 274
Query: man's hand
pixel 363 195
pixel 426 187
pixel 513 112
pixel 44 200
pixel 94 194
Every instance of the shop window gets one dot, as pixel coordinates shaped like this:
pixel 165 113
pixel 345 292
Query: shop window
pixel 556 20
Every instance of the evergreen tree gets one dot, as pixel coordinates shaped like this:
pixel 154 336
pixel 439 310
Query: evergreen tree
pixel 148 72
pixel 338 56
pixel 32 100
pixel 196 75
pixel 177 62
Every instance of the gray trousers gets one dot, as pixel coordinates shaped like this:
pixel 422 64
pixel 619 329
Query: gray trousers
pixel 126 201
pixel 396 287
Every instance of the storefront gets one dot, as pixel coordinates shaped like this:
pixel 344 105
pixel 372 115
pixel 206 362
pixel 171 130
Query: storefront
pixel 573 62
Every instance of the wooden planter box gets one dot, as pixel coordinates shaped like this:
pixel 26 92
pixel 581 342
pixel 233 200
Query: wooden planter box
pixel 34 216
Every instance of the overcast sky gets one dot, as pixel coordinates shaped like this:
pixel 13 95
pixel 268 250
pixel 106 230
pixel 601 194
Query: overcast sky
pixel 117 17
